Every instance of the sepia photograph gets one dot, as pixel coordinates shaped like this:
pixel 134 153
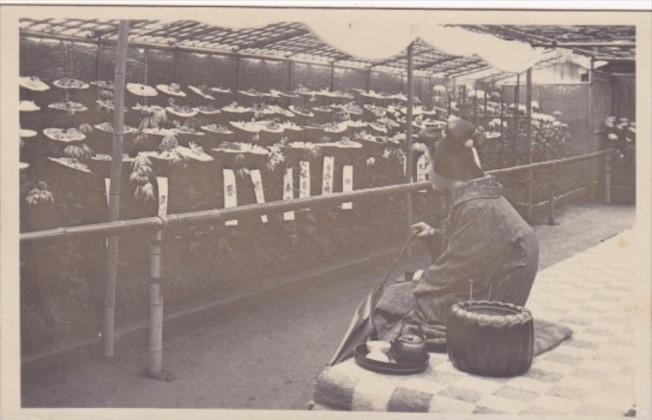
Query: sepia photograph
pixel 326 209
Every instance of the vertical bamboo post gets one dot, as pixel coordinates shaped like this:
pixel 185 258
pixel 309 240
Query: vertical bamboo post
pixel 175 64
pixel 607 178
pixel 156 307
pixel 408 121
pixel 463 102
pixel 528 121
pixel 502 112
pixel 114 193
pixel 290 75
pixel 332 78
pixel 368 81
pixel 484 113
pixel 475 102
pixel 98 58
pixel 590 165
pixel 551 194
pixel 516 117
pixel 237 73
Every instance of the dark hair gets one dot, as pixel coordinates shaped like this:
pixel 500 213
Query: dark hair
pixel 451 157
pixel 455 162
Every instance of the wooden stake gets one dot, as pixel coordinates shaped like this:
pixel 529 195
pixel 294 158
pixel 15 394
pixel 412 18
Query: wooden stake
pixel 607 178
pixel 484 114
pixel 516 116
pixel 408 121
pixel 551 194
pixel 98 58
pixel 114 194
pixel 237 74
pixel 156 308
pixel 475 102
pixel 290 75
pixel 368 81
pixel 528 121
pixel 332 77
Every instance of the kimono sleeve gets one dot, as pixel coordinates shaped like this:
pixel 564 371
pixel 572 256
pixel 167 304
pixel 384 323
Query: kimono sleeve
pixel 474 246
pixel 434 244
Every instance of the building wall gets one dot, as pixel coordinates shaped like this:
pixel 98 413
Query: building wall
pixel 623 101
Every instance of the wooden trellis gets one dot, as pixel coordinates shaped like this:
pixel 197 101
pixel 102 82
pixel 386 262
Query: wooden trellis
pixel 282 41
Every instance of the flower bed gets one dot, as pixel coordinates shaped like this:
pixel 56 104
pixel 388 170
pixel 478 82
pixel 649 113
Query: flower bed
pixel 194 147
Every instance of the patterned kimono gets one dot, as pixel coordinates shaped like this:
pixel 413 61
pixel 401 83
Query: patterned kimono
pixel 485 240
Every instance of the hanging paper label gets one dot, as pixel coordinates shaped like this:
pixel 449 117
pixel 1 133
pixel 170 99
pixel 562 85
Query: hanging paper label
pixel 107 189
pixel 347 184
pixel 256 179
pixel 162 195
pixel 230 194
pixel 288 192
pixel 304 179
pixel 327 178
pixel 423 168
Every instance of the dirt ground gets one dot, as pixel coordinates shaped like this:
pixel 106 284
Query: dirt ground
pixel 264 351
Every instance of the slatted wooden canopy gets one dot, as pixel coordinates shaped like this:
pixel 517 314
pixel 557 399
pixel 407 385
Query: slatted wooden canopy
pixel 294 41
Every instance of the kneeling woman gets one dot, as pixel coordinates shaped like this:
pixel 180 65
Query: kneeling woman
pixel 483 239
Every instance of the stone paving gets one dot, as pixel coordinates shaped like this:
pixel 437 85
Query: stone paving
pixel 590 374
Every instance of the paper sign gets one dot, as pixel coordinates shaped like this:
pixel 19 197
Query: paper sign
pixel 230 194
pixel 423 168
pixel 304 179
pixel 347 184
pixel 288 192
pixel 256 179
pixel 162 195
pixel 107 188
pixel 327 177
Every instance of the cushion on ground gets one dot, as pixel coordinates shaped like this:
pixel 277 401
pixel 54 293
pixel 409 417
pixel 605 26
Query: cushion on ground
pixel 347 386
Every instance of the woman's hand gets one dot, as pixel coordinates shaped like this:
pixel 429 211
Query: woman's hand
pixel 422 230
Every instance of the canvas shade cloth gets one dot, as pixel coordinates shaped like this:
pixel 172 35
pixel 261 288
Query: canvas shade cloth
pixel 380 35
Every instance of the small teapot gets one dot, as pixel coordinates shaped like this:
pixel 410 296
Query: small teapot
pixel 410 349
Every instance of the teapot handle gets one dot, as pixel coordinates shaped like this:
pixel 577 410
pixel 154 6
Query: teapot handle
pixel 419 327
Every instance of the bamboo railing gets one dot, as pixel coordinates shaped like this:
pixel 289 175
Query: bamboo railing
pixel 158 224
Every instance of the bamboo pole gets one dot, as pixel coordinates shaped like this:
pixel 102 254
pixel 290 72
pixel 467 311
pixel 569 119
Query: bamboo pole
pixel 114 193
pixel 98 58
pixel 290 76
pixel 484 113
pixel 528 121
pixel 607 178
pixel 475 102
pixel 463 102
pixel 217 215
pixel 502 113
pixel 408 121
pixel 551 194
pixel 331 86
pixel 175 63
pixel 590 111
pixel 156 307
pixel 237 74
pixel 368 81
pixel 515 103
